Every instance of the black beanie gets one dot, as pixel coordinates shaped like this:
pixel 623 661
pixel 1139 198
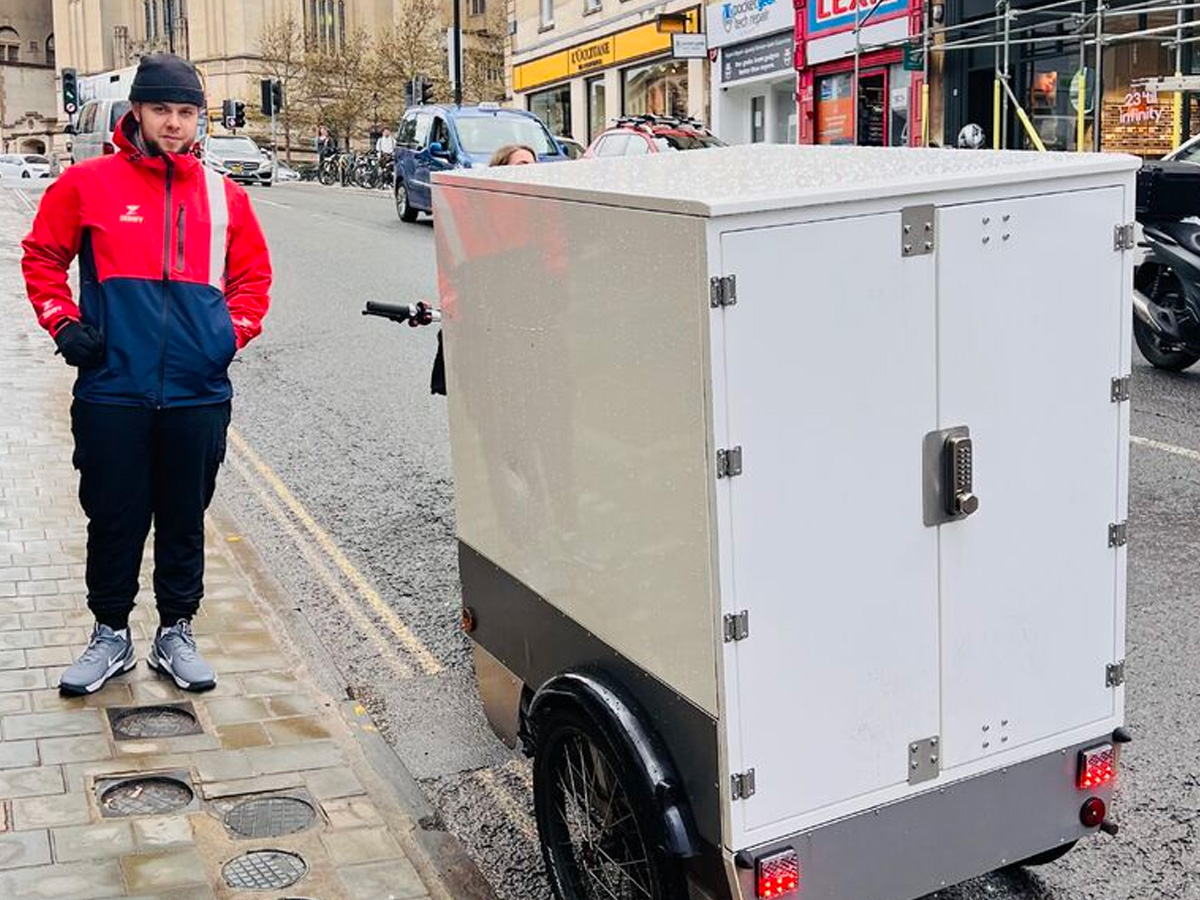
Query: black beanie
pixel 165 78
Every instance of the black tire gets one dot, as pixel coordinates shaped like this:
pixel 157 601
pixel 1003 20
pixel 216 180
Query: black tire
pixel 1162 286
pixel 25 174
pixel 326 175
pixel 367 177
pixel 1046 857
pixel 601 838
pixel 405 210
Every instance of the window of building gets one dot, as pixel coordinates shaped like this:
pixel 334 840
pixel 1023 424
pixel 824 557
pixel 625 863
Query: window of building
pixel 659 89
pixel 478 7
pixel 10 45
pixel 50 50
pixel 591 6
pixel 547 7
pixel 597 114
pixel 342 24
pixel 554 108
pixel 835 109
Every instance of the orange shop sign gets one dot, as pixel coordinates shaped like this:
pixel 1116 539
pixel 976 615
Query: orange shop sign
pixel 623 46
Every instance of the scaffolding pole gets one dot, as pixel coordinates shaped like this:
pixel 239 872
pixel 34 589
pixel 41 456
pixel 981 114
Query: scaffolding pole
pixel 1098 99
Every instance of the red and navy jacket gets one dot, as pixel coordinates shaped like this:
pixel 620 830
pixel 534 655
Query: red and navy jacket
pixel 174 273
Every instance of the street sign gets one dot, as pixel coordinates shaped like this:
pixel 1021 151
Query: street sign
pixel 689 46
pixel 914 57
pixel 1169 83
pixel 1083 80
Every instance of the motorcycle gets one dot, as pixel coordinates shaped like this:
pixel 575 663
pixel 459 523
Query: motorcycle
pixel 1166 284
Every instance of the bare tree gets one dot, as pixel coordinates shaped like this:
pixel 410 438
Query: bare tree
pixel 409 48
pixel 281 44
pixel 338 84
pixel 483 58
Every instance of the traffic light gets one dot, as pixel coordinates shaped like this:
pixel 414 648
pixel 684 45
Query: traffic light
pixel 265 86
pixel 70 92
pixel 228 114
pixel 422 90
pixel 239 114
pixel 277 94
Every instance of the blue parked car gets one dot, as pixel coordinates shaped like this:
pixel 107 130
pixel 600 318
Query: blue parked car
pixel 439 138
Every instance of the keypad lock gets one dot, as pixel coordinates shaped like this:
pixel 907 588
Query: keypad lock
pixel 949 462
pixel 960 498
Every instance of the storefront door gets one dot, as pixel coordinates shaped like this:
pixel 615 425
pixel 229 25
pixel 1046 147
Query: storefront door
pixel 872 109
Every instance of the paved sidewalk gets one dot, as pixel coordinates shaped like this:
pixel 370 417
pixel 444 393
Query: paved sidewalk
pixel 73 826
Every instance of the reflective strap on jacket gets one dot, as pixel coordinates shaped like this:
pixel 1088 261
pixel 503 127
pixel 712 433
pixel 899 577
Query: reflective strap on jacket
pixel 218 236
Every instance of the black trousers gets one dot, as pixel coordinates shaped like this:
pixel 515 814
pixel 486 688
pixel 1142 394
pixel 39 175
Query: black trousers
pixel 138 466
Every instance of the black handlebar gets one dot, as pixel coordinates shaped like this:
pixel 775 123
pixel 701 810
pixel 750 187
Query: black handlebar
pixel 397 312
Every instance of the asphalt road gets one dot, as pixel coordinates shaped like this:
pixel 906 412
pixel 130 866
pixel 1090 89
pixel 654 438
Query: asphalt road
pixel 339 473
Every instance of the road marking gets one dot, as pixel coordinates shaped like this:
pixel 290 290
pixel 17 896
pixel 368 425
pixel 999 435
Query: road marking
pixel 1185 452
pixel 427 662
pixel 30 206
pixel 365 625
pixel 273 203
pixel 508 804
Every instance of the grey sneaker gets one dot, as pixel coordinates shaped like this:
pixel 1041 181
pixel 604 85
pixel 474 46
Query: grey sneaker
pixel 108 653
pixel 174 652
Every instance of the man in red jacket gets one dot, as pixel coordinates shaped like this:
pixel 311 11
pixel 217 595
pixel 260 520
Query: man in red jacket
pixel 174 280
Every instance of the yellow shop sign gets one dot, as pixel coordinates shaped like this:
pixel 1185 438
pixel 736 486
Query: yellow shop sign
pixel 614 49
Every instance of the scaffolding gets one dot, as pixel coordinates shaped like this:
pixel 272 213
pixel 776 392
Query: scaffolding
pixel 1058 22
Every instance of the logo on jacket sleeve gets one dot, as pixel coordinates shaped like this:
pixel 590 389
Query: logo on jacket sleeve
pixel 130 214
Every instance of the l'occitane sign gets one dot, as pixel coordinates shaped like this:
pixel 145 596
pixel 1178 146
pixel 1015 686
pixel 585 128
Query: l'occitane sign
pixel 620 47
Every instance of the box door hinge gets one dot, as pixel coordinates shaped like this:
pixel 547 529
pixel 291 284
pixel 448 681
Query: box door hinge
pixel 1123 237
pixel 1118 534
pixel 1114 674
pixel 917 233
pixel 741 785
pixel 1120 389
pixel 729 462
pixel 737 626
pixel 924 759
pixel 722 291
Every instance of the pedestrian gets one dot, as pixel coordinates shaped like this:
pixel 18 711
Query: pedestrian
pixel 165 302
pixel 386 145
pixel 513 155
pixel 326 144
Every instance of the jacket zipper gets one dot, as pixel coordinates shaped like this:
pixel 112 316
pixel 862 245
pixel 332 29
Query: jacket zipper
pixel 166 289
pixel 179 239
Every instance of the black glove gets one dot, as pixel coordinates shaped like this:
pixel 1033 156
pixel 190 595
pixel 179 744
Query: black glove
pixel 80 345
pixel 422 316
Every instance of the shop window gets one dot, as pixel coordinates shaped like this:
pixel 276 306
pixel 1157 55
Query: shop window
pixel 597 115
pixel 554 108
pixel 659 89
pixel 899 90
pixel 835 109
pixel 758 119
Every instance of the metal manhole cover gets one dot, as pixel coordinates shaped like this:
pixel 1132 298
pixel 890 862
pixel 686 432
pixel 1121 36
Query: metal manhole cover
pixel 141 722
pixel 264 817
pixel 148 796
pixel 261 870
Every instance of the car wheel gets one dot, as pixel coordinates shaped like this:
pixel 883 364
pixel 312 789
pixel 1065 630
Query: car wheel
pixel 26 174
pixel 404 209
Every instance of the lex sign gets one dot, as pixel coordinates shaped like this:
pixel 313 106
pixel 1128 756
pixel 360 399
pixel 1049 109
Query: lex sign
pixel 826 16
pixel 736 21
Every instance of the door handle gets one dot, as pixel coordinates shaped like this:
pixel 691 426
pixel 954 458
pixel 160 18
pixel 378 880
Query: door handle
pixel 949 476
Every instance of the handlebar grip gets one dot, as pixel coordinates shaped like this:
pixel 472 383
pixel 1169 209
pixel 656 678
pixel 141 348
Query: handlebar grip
pixel 397 312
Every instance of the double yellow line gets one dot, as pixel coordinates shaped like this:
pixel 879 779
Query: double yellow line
pixel 398 648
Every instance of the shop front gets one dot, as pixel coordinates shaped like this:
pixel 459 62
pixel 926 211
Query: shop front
pixel 754 78
pixel 580 89
pixel 884 109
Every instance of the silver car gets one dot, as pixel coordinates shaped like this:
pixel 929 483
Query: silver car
pixel 237 157
pixel 93 133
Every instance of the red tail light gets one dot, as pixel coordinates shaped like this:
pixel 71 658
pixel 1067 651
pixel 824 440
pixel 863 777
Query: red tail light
pixel 778 875
pixel 1097 767
pixel 109 149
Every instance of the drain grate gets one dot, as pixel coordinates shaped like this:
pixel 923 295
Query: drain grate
pixel 145 796
pixel 263 817
pixel 141 722
pixel 261 870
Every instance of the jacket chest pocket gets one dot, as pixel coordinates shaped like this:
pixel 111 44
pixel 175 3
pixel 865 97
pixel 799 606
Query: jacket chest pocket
pixel 180 239
pixel 190 228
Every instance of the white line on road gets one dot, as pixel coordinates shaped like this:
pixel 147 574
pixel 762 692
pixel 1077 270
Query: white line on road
pixel 1173 449
pixel 274 203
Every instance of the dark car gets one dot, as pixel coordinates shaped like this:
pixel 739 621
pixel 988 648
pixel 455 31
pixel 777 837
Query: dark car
pixel 640 135
pixel 439 138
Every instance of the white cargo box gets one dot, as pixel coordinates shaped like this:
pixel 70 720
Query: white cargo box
pixel 700 410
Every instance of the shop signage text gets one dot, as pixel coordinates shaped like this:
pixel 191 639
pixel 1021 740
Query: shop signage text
pixel 689 46
pixel 614 49
pixel 827 16
pixel 762 57
pixel 1141 105
pixel 734 21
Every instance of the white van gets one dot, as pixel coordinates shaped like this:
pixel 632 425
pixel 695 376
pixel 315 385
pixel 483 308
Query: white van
pixel 94 129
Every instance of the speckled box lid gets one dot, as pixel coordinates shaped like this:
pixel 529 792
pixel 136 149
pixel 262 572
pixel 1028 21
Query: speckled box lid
pixel 732 180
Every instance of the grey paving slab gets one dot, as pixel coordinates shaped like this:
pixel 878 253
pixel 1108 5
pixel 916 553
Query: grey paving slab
pixel 295 758
pixel 52 724
pixel 262 784
pixel 333 784
pixel 147 872
pixel 99 841
pixel 17 754
pixel 48 656
pixel 361 845
pixel 32 782
pixel 373 881
pixel 163 831
pixel 232 711
pixel 22 680
pixel 352 812
pixel 223 765
pixel 24 848
pixel 12 659
pixel 50 812
pixel 85 748
pixel 70 881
